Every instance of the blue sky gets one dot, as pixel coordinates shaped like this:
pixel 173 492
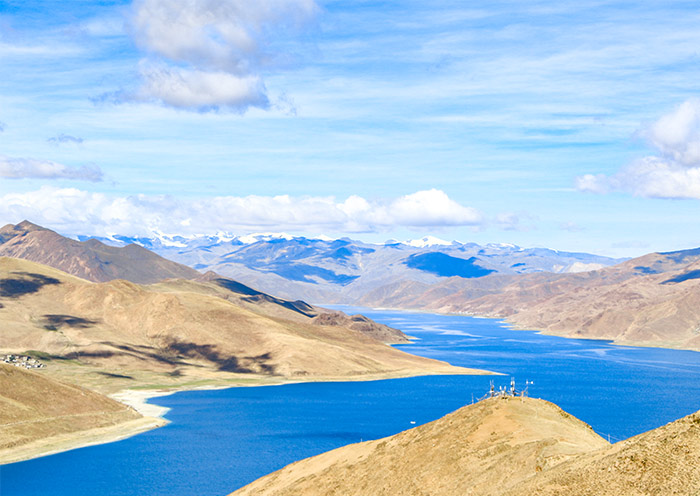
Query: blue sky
pixel 571 125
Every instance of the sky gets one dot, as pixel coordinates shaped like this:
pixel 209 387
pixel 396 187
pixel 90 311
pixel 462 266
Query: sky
pixel 568 125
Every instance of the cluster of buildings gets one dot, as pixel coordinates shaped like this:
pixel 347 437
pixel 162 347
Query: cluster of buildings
pixel 24 361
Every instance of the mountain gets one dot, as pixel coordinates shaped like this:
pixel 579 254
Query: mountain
pixel 344 270
pixel 119 334
pixel 484 448
pixel 39 414
pixel 91 260
pixel 500 447
pixel 651 300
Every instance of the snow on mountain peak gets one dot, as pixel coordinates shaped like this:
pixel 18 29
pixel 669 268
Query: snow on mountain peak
pixel 255 237
pixel 427 241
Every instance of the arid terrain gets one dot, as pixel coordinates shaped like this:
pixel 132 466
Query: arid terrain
pixel 652 300
pixel 89 260
pixel 176 334
pixel 512 446
pixel 39 415
pixel 184 330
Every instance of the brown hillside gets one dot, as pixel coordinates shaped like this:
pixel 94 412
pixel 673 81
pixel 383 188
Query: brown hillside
pixel 653 300
pixel 501 447
pixel 34 407
pixel 663 461
pixel 179 330
pixel 299 311
pixel 91 260
pixel 480 449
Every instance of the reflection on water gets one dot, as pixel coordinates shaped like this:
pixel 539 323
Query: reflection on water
pixel 220 440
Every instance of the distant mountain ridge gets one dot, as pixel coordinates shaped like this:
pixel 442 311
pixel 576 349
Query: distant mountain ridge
pixel 653 300
pixel 94 261
pixel 343 270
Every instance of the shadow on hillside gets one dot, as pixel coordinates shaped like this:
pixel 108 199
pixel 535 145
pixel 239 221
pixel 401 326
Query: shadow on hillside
pixel 25 284
pixel 241 365
pixel 143 352
pixel 253 296
pixel 55 321
pixel 115 376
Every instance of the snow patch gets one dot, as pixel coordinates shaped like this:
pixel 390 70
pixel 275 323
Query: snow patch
pixel 428 241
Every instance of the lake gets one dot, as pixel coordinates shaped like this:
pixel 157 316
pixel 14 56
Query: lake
pixel 220 440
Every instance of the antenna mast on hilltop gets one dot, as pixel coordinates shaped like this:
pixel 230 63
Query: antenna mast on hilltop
pixel 504 392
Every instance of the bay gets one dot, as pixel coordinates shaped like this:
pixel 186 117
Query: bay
pixel 220 440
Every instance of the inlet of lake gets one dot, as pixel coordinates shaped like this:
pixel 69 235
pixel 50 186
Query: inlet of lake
pixel 219 440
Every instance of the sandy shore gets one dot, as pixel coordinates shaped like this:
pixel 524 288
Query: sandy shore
pixel 137 399
pixel 152 419
pixel 153 415
pixel 73 440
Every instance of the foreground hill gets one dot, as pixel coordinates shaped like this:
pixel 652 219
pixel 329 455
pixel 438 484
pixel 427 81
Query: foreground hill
pixel 501 447
pixel 480 449
pixel 662 461
pixel 39 414
pixel 91 260
pixel 651 300
pixel 179 331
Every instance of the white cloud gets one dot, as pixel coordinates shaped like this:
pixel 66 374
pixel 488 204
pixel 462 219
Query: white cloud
pixel 432 208
pixel 210 54
pixel 570 226
pixel 673 173
pixel 23 168
pixel 509 221
pixel 63 139
pixel 52 49
pixel 77 211
pixel 677 134
pixel 201 90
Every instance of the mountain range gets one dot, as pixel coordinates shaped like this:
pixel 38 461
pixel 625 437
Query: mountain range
pixel 343 270
pixel 652 300
pixel 181 330
pixel 99 327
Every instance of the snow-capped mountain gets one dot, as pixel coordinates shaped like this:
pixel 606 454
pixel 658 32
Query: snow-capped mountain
pixel 429 241
pixel 323 269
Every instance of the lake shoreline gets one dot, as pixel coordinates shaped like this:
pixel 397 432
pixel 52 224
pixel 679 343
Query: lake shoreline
pixel 511 324
pixel 153 416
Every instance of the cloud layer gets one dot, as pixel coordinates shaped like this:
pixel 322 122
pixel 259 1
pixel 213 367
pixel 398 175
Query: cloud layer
pixel 210 54
pixel 673 173
pixel 30 168
pixel 74 210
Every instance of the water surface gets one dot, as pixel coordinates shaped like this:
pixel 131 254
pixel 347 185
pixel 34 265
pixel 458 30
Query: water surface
pixel 220 440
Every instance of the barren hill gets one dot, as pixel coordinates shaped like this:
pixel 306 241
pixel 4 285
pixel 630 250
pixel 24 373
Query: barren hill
pixel 180 331
pixel 35 409
pixel 91 260
pixel 480 449
pixel 662 461
pixel 497 447
pixel 652 300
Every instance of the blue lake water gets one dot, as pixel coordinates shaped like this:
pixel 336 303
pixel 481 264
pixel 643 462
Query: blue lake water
pixel 220 440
